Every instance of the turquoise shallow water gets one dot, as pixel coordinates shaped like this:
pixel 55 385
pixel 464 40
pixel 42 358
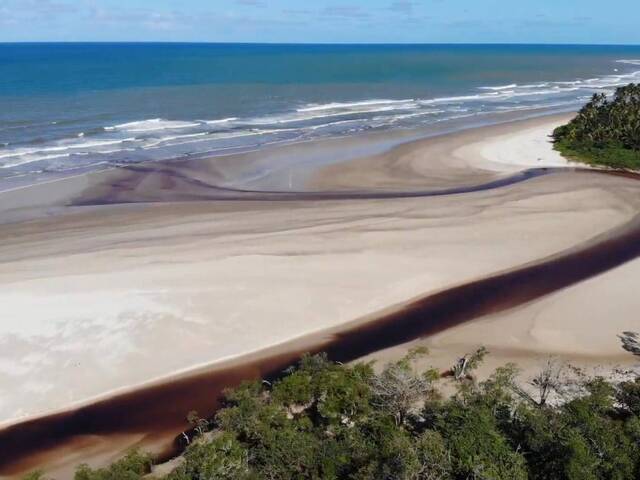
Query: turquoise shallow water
pixel 71 106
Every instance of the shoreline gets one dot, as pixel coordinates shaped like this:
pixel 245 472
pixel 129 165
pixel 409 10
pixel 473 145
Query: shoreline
pixel 458 137
pixel 366 145
pixel 553 185
pixel 374 141
pixel 457 158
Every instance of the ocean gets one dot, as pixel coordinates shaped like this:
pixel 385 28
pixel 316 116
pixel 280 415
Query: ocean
pixel 71 107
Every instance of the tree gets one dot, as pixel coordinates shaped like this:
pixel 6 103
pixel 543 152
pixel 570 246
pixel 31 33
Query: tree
pixel 132 467
pixel 324 420
pixel 434 458
pixel 399 388
pixel 222 458
pixel 594 418
pixel 37 475
pixel 628 395
pixel 605 131
pixel 479 450
pixel 556 379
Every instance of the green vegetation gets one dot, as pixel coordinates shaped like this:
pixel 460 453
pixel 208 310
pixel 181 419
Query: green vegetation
pixel 131 467
pixel 324 420
pixel 605 132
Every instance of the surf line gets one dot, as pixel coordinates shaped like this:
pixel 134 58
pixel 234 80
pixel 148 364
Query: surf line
pixel 158 411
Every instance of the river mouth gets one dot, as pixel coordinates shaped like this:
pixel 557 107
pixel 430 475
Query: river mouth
pixel 158 410
pixel 155 414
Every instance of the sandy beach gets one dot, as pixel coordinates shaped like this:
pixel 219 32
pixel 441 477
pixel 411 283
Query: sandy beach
pixel 118 280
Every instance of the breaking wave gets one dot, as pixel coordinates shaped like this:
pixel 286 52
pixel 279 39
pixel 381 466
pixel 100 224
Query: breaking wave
pixel 159 138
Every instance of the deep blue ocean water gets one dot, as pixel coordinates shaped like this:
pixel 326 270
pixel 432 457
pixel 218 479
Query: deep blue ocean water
pixel 70 106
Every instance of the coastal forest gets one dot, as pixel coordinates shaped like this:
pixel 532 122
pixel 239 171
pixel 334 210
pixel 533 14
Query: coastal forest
pixel 325 420
pixel 605 132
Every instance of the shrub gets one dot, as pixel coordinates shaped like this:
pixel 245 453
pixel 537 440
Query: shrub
pixel 132 467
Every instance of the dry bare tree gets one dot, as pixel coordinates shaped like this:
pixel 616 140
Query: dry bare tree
pixel 630 342
pixel 556 380
pixel 399 388
pixel 551 379
pixel 462 369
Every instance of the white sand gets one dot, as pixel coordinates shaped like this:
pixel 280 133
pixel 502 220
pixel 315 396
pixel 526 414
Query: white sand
pixel 527 148
pixel 102 298
pixel 462 159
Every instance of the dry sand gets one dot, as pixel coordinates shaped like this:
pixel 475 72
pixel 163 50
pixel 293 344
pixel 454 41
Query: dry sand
pixel 464 158
pixel 102 298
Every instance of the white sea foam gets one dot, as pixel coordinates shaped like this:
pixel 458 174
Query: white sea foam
pixel 299 116
pixel 349 105
pixel 108 152
pixel 629 61
pixel 165 142
pixel 332 124
pixel 222 120
pixel 413 115
pixel 153 125
pixel 177 137
pixel 456 99
pixel 19 161
pixel 500 87
pixel 559 87
pixel 157 138
pixel 62 148
pixel 535 85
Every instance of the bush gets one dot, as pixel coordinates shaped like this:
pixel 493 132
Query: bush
pixel 223 458
pixel 132 467
pixel 478 448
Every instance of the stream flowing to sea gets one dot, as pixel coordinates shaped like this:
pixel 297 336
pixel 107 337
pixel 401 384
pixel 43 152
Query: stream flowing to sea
pixel 157 411
pixel 72 107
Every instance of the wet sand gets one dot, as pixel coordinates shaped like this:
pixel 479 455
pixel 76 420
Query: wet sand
pixel 140 267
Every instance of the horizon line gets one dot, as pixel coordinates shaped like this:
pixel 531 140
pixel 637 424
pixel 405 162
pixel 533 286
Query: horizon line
pixel 185 42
